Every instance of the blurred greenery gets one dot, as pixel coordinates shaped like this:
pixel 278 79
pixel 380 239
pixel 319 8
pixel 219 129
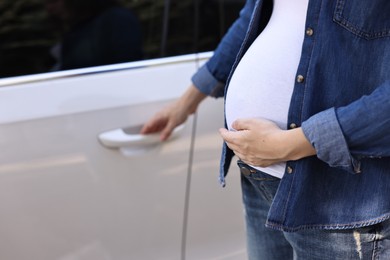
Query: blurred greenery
pixel 27 34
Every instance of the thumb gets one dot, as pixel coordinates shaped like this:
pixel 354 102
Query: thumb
pixel 152 126
pixel 242 124
pixel 228 136
pixel 167 131
pixel 146 128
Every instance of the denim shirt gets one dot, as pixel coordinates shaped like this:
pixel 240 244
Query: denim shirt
pixel 341 99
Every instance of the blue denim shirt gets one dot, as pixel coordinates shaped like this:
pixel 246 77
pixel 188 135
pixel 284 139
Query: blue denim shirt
pixel 342 105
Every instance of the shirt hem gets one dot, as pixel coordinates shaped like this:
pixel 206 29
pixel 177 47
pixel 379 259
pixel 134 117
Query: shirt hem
pixel 278 226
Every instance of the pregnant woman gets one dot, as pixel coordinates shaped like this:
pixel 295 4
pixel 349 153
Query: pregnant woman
pixel 307 111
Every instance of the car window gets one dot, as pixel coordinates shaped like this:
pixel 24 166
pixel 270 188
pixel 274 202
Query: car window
pixel 39 36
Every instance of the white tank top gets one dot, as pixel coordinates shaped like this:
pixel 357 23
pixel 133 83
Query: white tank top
pixel 262 84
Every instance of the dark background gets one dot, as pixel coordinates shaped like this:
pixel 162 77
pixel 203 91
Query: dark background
pixel 27 33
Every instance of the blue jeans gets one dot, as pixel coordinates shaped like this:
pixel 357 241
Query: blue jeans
pixel 258 188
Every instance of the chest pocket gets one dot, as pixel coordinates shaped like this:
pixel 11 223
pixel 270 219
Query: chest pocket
pixel 369 19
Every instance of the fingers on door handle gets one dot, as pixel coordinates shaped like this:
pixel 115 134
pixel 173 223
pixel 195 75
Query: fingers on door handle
pixel 119 138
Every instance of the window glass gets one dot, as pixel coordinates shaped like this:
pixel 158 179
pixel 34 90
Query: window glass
pixel 40 36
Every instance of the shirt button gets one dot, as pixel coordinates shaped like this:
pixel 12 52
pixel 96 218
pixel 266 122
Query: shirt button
pixel 293 125
pixel 300 78
pixel 309 31
pixel 289 170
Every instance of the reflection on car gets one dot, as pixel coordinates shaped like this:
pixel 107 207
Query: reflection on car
pixel 94 33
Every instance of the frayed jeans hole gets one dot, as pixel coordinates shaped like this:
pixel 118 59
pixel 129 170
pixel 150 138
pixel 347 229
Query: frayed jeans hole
pixel 357 237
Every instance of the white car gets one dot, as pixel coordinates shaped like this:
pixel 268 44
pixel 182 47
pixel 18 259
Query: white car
pixel 77 181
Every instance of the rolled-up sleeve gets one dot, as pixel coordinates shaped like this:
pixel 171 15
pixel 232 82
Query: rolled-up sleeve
pixel 361 129
pixel 324 133
pixel 207 83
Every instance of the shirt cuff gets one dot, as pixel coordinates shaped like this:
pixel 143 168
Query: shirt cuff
pixel 324 133
pixel 207 83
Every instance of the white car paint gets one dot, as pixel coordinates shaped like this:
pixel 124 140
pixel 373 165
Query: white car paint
pixel 65 196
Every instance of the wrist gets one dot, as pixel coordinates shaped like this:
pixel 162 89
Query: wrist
pixel 190 100
pixel 296 145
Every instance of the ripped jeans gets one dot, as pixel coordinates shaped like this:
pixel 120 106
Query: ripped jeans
pixel 372 242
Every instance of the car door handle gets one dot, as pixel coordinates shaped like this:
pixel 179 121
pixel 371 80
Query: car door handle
pixel 128 137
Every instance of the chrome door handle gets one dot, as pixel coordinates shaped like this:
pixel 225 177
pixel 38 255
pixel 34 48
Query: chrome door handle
pixel 123 137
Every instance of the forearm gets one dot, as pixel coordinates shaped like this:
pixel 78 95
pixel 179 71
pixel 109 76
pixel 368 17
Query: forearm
pixel 294 145
pixel 191 99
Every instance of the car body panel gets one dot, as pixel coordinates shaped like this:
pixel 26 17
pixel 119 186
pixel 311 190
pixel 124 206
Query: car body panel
pixel 63 195
pixel 216 222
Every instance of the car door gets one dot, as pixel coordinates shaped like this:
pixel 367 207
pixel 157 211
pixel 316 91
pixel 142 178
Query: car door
pixel 64 195
pixel 77 181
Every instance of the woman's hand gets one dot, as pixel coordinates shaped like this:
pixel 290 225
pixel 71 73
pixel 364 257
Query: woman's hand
pixel 174 114
pixel 260 142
